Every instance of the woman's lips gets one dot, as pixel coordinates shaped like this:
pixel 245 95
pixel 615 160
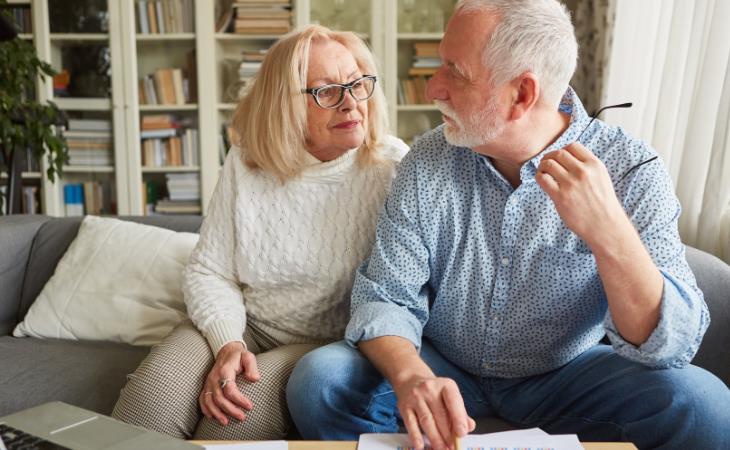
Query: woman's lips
pixel 347 125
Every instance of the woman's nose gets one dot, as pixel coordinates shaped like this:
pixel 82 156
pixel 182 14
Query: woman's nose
pixel 348 103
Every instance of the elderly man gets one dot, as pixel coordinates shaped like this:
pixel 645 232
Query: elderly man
pixel 516 237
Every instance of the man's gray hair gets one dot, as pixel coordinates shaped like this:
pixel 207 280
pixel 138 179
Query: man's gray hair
pixel 531 35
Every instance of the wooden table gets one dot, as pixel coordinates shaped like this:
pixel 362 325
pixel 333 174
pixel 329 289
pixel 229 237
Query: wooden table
pixel 352 445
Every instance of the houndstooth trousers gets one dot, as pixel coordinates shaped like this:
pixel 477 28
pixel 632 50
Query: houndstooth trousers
pixel 162 394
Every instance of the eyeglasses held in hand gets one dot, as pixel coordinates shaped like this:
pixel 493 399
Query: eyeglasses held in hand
pixel 333 95
pixel 595 116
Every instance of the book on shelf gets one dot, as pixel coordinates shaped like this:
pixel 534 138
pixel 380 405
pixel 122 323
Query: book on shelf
pixel 183 186
pixel 169 86
pixel 256 17
pixel 183 195
pixel 168 142
pixel 426 62
pixel 89 142
pixel 83 198
pixel 30 200
pixel 165 16
pixel 178 207
pixel 22 18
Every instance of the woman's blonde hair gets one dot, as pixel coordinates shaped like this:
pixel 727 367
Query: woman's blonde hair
pixel 271 120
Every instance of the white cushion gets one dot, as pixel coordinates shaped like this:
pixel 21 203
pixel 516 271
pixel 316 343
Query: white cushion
pixel 118 281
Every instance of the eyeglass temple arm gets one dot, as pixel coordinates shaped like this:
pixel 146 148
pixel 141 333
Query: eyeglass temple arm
pixel 598 113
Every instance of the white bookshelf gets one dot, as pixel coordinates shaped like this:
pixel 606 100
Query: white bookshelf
pixel 134 55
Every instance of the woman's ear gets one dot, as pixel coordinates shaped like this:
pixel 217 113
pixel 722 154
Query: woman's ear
pixel 525 94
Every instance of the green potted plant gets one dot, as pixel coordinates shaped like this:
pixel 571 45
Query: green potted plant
pixel 26 125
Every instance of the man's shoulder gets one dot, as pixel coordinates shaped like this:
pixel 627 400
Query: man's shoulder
pixel 618 149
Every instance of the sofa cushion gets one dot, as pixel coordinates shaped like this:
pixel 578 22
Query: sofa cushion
pixel 85 374
pixel 16 237
pixel 54 237
pixel 713 278
pixel 118 281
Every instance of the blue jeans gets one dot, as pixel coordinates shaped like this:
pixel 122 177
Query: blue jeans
pixel 336 393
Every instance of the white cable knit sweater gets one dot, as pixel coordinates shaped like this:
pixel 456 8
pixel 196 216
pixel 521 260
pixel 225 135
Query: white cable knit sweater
pixel 285 255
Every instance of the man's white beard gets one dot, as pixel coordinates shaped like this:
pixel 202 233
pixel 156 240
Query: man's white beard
pixel 478 129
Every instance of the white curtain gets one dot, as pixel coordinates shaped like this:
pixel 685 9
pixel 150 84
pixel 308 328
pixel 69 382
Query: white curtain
pixel 671 58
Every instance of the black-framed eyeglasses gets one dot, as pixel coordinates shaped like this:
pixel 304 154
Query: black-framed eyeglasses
pixel 333 95
pixel 595 116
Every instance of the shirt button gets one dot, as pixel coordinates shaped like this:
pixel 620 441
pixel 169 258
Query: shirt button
pixel 505 261
pixel 486 366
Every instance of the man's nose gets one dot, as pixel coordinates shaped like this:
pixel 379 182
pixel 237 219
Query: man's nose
pixel 436 89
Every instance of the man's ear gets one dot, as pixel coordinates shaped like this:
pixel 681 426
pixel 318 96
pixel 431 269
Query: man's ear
pixel 525 94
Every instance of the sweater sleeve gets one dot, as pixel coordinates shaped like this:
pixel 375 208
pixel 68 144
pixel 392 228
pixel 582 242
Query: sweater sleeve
pixel 211 289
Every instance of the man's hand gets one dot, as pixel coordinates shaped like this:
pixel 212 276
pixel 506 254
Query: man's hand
pixel 581 189
pixel 216 402
pixel 435 406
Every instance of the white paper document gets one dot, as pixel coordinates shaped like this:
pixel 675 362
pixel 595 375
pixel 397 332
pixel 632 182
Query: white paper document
pixel 260 445
pixel 531 439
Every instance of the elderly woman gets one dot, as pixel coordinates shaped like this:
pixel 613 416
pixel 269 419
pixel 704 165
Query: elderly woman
pixel 292 217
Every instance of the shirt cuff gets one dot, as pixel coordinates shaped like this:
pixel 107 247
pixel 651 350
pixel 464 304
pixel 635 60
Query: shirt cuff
pixel 222 332
pixel 377 319
pixel 676 337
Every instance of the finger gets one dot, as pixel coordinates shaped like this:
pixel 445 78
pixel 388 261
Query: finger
pixel 410 420
pixel 548 184
pixel 250 367
pixel 555 169
pixel 428 425
pixel 227 407
pixel 203 406
pixel 214 411
pixel 570 162
pixel 442 420
pixel 471 424
pixel 579 151
pixel 235 396
pixel 455 406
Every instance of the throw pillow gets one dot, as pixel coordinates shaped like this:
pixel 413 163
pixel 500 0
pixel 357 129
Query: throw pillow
pixel 118 281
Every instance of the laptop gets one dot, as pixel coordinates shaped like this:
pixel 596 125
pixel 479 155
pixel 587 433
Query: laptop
pixel 59 425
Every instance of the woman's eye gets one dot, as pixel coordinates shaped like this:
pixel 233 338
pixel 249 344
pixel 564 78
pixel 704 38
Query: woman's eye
pixel 328 92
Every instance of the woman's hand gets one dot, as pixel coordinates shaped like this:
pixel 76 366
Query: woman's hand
pixel 218 402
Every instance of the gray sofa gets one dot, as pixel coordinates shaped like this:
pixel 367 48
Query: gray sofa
pixel 90 374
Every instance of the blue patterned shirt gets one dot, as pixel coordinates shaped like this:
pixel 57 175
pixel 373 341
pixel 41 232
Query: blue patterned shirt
pixel 495 280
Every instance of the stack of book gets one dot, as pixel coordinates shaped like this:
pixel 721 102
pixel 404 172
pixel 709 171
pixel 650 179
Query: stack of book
pixel 89 142
pixel 83 198
pixel 257 17
pixel 250 64
pixel 165 16
pixel 165 87
pixel 426 62
pixel 168 142
pixel 184 195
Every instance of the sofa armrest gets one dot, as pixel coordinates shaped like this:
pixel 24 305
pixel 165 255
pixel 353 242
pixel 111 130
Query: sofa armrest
pixel 16 239
pixel 713 278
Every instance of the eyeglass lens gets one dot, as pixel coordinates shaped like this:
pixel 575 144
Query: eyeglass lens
pixel 330 96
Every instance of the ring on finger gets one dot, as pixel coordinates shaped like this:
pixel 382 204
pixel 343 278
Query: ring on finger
pixel 222 382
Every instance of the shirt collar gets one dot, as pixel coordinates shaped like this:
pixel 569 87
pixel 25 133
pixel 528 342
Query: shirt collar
pixel 579 118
